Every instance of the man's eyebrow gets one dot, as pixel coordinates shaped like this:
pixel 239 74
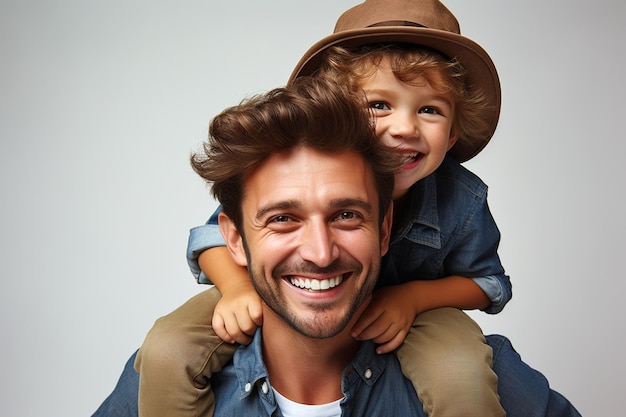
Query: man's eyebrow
pixel 280 205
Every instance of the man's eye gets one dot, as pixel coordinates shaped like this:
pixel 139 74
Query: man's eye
pixel 280 219
pixel 379 105
pixel 347 215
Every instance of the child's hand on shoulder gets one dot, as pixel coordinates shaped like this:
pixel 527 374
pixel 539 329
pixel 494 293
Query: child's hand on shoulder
pixel 387 319
pixel 238 314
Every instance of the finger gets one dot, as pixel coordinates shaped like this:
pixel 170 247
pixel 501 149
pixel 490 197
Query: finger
pixel 232 327
pixel 391 345
pixel 243 338
pixel 235 332
pixel 246 324
pixel 220 329
pixel 256 313
pixel 376 331
pixel 367 319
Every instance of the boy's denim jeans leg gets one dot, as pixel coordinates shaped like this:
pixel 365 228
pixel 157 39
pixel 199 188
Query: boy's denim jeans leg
pixel 124 399
pixel 524 391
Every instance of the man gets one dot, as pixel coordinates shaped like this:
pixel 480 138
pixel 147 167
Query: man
pixel 306 188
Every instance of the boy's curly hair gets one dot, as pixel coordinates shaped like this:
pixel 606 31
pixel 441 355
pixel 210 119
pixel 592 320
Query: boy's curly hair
pixel 413 65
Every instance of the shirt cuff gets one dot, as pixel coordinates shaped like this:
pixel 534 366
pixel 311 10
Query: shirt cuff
pixel 202 238
pixel 494 289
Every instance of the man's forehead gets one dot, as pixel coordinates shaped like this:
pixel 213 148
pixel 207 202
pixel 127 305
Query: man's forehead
pixel 305 174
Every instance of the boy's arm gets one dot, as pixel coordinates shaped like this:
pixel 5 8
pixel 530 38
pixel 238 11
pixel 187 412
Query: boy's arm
pixel 391 312
pixel 453 291
pixel 471 252
pixel 202 238
pixel 238 313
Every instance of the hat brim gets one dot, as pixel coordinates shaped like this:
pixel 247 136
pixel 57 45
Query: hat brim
pixel 480 69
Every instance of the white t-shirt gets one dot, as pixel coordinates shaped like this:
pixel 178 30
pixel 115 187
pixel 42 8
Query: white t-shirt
pixel 293 409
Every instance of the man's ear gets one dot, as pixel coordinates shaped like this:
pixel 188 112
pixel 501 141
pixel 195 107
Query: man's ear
pixel 385 230
pixel 233 239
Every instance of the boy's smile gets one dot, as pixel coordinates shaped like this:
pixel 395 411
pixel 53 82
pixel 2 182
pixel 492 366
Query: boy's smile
pixel 413 118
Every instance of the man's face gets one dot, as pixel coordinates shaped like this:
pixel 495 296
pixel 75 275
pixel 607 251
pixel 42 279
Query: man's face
pixel 312 237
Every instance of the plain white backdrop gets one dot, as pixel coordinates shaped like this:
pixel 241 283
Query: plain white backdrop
pixel 101 104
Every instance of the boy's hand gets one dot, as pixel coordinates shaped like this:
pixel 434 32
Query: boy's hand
pixel 238 313
pixel 387 319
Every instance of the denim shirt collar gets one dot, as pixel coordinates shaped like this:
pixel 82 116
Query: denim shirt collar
pixel 249 366
pixel 366 367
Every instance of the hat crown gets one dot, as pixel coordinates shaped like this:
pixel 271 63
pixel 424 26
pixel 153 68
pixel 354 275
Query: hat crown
pixel 431 14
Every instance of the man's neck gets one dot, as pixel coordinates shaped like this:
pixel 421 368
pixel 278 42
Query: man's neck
pixel 305 370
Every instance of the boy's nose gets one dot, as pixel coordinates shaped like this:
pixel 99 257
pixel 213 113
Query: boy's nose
pixel 318 245
pixel 404 125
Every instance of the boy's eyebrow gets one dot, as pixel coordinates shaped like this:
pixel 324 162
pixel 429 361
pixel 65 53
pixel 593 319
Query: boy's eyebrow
pixel 444 99
pixel 375 90
pixel 440 96
pixel 436 96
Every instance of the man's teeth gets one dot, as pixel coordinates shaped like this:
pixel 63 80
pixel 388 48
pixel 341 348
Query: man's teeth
pixel 316 284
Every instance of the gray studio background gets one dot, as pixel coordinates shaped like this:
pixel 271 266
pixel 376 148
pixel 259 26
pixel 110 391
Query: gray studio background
pixel 102 102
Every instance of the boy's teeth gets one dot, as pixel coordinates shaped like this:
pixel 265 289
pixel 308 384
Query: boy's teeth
pixel 412 156
pixel 316 284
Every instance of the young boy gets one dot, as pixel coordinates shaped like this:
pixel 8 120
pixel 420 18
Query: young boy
pixel 435 97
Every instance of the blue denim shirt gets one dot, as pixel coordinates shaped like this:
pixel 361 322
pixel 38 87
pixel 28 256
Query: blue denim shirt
pixel 524 392
pixel 442 227
pixel 373 385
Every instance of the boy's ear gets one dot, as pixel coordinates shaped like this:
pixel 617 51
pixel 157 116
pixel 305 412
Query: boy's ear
pixel 454 136
pixel 233 239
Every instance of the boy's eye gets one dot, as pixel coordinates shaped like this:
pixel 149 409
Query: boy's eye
pixel 379 105
pixel 430 110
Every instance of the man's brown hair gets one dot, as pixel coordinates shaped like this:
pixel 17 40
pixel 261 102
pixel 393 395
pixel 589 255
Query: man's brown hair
pixel 310 112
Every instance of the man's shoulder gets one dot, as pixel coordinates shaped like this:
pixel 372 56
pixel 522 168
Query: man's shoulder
pixel 243 382
pixel 375 386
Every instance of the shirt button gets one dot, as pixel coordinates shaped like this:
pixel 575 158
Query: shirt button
pixel 265 388
pixel 248 387
pixel 368 373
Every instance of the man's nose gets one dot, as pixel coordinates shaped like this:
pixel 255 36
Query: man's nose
pixel 318 244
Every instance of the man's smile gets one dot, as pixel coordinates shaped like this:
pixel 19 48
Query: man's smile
pixel 316 284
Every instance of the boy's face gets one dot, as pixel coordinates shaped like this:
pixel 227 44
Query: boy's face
pixel 412 118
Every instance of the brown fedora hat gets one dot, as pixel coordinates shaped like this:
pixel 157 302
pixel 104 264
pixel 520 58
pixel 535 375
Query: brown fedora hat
pixel 421 22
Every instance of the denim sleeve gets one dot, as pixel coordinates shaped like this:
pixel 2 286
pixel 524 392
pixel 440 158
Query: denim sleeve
pixel 475 254
pixel 202 238
pixel 499 290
